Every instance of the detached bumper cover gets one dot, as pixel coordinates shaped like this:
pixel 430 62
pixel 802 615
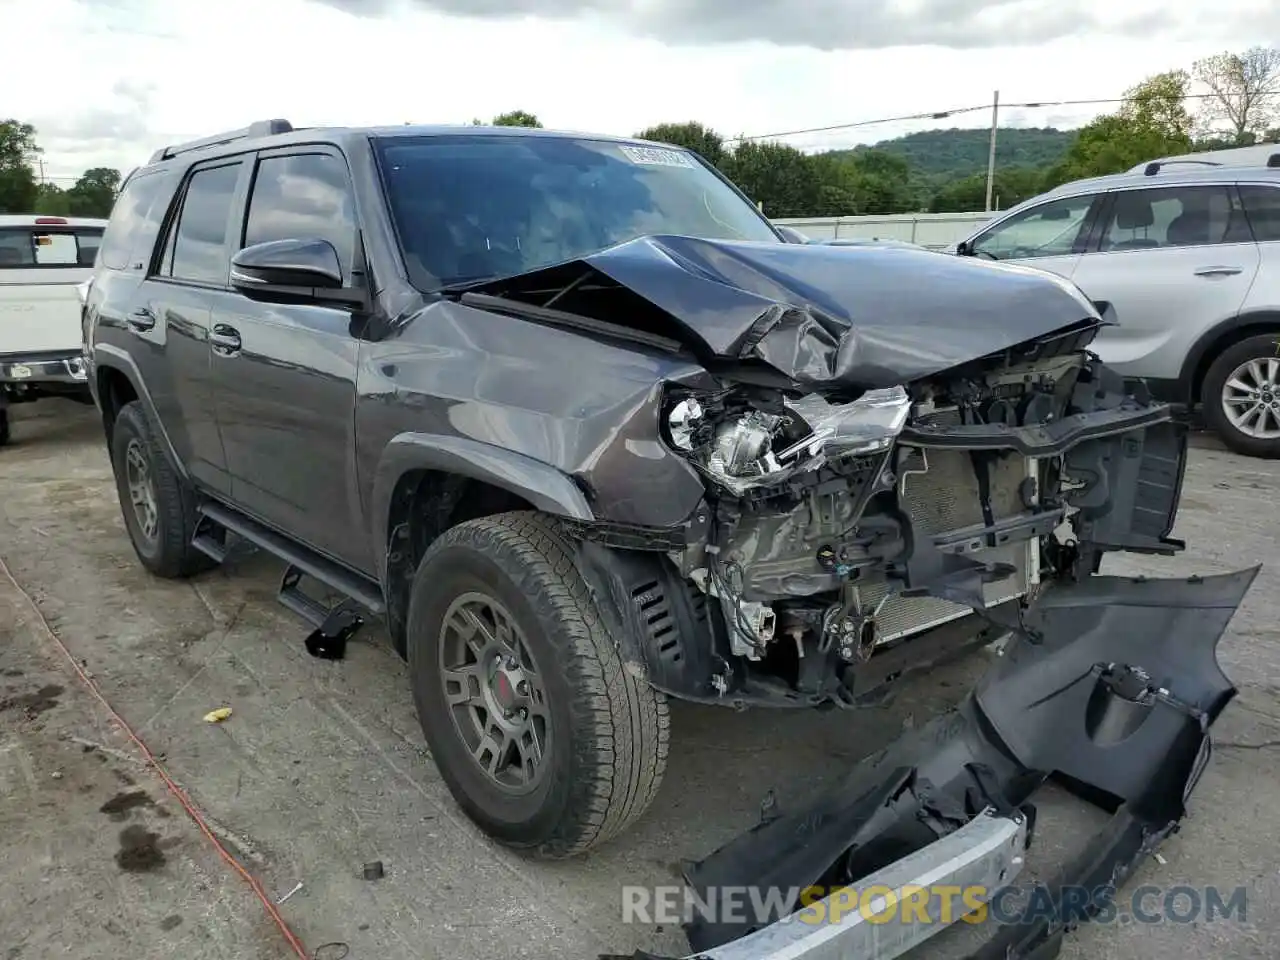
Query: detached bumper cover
pixel 1112 687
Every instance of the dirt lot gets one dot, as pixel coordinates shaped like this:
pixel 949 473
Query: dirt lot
pixel 322 767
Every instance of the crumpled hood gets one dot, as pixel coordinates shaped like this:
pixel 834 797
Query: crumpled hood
pixel 824 315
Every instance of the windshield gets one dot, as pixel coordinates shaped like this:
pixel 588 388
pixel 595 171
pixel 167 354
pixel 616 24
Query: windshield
pixel 476 206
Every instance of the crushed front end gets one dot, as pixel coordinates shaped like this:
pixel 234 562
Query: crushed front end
pixel 840 525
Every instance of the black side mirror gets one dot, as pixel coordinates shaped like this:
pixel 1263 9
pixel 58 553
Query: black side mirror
pixel 287 263
pixel 964 249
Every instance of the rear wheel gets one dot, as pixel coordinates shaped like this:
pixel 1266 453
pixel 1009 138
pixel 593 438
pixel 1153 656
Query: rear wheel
pixel 4 426
pixel 158 507
pixel 1241 396
pixel 543 737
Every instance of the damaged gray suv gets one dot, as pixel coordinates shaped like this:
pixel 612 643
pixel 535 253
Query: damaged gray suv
pixel 577 421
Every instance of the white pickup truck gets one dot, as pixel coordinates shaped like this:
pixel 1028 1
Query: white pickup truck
pixel 44 261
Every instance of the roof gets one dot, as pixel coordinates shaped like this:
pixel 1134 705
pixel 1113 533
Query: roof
pixel 272 133
pixel 40 220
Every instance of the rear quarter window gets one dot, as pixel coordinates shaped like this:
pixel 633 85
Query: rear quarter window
pixel 36 247
pixel 135 219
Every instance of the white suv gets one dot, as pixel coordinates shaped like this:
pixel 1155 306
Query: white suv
pixel 44 261
pixel 1187 252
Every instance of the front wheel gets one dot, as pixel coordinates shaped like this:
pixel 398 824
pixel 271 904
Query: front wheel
pixel 1241 396
pixel 543 737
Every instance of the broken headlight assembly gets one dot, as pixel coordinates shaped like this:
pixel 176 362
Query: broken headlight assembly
pixel 744 440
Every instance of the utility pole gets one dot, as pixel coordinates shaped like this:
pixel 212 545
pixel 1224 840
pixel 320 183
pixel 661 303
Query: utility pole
pixel 991 155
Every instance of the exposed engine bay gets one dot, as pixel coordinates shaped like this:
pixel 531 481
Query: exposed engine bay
pixel 840 525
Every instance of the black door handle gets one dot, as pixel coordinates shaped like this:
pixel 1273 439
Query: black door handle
pixel 141 319
pixel 225 340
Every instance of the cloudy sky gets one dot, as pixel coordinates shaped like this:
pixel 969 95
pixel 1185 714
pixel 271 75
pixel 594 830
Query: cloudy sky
pixel 107 81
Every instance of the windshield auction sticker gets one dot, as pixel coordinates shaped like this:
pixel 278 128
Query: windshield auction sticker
pixel 657 156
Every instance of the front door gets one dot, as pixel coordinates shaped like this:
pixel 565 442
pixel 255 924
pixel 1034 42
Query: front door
pixel 1049 236
pixel 286 371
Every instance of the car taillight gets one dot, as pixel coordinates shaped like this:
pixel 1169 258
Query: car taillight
pixel 62 221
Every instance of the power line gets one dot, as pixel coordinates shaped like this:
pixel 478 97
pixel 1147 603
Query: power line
pixel 945 114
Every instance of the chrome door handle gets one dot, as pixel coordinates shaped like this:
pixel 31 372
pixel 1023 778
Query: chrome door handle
pixel 225 340
pixel 1218 271
pixel 141 319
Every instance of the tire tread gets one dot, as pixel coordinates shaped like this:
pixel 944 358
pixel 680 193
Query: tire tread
pixel 621 725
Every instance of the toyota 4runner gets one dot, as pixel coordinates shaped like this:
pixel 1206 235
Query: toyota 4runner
pixel 578 422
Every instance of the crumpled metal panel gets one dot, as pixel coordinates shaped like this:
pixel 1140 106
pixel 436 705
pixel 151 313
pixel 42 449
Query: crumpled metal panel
pixel 823 315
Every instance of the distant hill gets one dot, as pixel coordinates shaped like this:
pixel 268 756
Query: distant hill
pixel 952 154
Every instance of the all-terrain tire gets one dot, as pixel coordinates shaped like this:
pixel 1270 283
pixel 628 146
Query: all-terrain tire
pixel 607 751
pixel 168 553
pixel 1263 347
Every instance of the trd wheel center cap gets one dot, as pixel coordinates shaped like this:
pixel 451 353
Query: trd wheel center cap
pixel 505 686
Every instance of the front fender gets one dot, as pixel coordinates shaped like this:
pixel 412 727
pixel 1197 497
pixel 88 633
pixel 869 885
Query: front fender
pixel 542 485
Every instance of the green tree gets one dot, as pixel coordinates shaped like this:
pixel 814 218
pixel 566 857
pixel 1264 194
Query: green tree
pixel 52 201
pixel 18 189
pixel 1010 186
pixel 516 118
pixel 692 135
pixel 1243 92
pixel 883 182
pixel 780 178
pixel 95 192
pixel 1153 122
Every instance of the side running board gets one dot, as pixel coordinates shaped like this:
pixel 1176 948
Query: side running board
pixel 333 624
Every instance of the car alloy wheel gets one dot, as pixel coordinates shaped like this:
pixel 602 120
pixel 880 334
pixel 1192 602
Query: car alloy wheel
pixel 142 490
pixel 1251 398
pixel 493 692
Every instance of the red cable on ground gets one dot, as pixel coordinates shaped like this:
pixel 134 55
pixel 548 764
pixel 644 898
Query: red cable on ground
pixel 174 789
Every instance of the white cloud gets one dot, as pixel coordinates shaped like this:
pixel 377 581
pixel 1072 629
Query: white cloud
pixel 108 81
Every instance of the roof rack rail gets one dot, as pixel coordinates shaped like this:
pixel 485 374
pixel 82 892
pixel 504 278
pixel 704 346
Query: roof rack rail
pixel 262 128
pixel 1153 168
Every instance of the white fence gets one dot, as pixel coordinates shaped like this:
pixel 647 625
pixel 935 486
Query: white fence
pixel 937 231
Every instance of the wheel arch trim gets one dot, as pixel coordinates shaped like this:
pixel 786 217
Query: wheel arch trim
pixel 1217 338
pixel 542 485
pixel 107 356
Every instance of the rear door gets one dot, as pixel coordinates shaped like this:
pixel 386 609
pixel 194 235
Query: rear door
pixel 40 267
pixel 1173 261
pixel 1050 235
pixel 170 318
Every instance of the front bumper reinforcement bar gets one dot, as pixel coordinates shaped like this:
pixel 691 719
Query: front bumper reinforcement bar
pixel 1109 688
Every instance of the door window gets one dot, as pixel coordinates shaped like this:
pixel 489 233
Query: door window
pixel 198 247
pixel 303 196
pixel 1262 204
pixel 1049 230
pixel 1172 217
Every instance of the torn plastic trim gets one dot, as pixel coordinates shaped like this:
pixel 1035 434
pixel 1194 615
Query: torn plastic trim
pixel 1113 691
